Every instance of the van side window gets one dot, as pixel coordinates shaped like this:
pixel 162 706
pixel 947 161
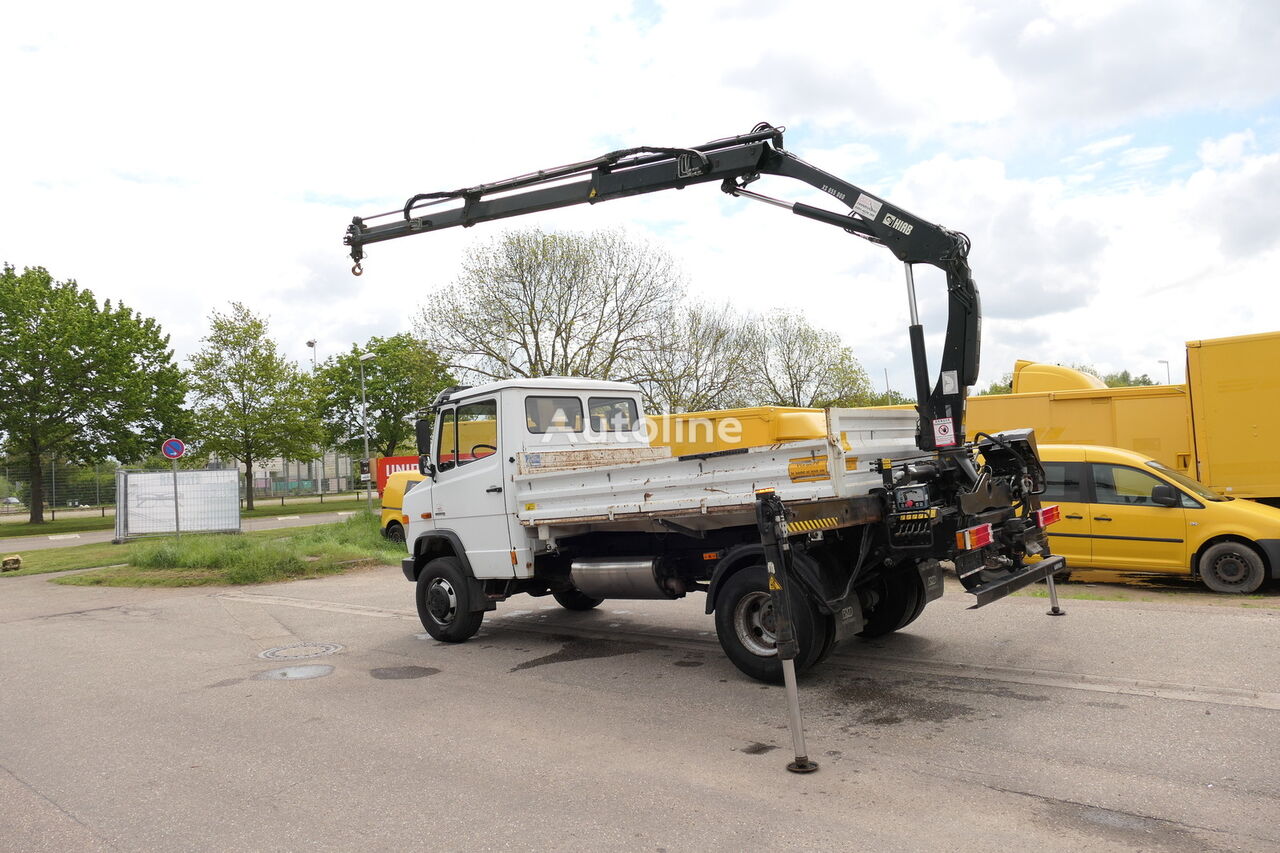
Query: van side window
pixel 553 414
pixel 612 414
pixel 1120 484
pixel 447 447
pixel 1063 481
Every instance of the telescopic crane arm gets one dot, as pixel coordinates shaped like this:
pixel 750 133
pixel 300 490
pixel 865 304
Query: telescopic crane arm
pixel 736 162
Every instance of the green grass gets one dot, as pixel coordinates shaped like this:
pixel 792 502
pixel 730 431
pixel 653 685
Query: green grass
pixel 262 556
pixel 266 508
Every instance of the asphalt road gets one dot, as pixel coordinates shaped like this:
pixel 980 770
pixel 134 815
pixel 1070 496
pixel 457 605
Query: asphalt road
pixel 147 720
pixel 18 544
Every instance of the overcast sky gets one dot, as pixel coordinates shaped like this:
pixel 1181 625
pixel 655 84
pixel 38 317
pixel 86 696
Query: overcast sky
pixel 1116 164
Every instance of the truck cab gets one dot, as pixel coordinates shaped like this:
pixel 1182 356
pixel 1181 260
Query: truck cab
pixel 481 433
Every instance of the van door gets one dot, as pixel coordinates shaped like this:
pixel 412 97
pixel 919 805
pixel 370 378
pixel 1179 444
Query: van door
pixel 1131 532
pixel 1070 537
pixel 468 497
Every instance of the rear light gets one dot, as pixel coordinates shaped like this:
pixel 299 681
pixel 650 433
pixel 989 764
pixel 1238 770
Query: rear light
pixel 1046 516
pixel 974 537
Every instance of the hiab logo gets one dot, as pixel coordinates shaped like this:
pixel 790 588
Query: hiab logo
pixel 898 224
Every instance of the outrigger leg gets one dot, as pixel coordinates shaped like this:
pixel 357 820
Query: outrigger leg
pixel 771 519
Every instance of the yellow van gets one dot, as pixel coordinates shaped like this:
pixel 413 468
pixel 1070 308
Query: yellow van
pixel 1125 511
pixel 398 485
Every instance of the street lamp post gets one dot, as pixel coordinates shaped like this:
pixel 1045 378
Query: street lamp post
pixel 312 344
pixel 364 419
pixel 1168 376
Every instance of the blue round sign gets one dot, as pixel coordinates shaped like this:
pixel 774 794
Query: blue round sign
pixel 173 448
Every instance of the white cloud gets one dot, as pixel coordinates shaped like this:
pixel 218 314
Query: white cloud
pixel 1141 158
pixel 1093 149
pixel 1228 150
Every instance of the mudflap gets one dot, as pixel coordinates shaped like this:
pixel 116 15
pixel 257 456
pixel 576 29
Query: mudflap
pixel 993 590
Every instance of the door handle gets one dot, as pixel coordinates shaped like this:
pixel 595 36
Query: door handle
pixel 1102 518
pixel 1075 517
pixel 494 489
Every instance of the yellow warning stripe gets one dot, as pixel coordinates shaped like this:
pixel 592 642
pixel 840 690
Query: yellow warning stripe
pixel 811 525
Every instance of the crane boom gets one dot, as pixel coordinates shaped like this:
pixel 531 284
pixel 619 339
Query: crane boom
pixel 736 162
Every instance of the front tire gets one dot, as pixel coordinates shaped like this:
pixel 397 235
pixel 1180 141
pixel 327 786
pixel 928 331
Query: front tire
pixel 575 599
pixel 1232 567
pixel 745 626
pixel 394 532
pixel 444 601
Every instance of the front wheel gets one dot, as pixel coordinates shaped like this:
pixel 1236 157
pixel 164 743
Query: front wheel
pixel 746 626
pixel 1232 567
pixel 394 532
pixel 444 602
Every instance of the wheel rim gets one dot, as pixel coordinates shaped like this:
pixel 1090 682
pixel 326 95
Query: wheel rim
pixel 754 625
pixel 1231 570
pixel 442 601
pixel 395 533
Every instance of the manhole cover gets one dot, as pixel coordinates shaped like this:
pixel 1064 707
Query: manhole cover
pixel 300 651
pixel 295 673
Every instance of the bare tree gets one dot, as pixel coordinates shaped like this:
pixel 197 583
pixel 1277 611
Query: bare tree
pixel 537 304
pixel 799 365
pixel 699 360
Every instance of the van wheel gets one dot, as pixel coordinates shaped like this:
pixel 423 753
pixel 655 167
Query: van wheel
pixel 394 532
pixel 444 602
pixel 574 599
pixel 745 626
pixel 1232 567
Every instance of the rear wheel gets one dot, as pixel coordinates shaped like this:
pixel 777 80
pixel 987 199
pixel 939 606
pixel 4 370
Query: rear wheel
pixel 899 601
pixel 394 532
pixel 746 626
pixel 575 599
pixel 1232 567
pixel 444 602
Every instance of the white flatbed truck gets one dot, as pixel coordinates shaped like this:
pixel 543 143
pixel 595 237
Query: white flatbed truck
pixel 548 486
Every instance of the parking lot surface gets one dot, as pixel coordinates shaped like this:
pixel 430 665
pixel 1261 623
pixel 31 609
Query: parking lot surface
pixel 150 720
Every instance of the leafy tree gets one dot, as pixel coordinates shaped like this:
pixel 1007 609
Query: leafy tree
pixel 404 376
pixel 887 398
pixel 799 365
pixel 698 360
pixel 1122 379
pixel 251 404
pixel 537 304
pixel 79 380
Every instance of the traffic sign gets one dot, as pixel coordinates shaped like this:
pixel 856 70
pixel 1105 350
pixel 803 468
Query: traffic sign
pixel 173 448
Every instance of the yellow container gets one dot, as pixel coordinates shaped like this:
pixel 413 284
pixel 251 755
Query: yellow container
pixel 729 429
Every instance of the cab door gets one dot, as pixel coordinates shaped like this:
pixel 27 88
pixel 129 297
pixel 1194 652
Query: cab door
pixel 1129 531
pixel 1071 536
pixel 468 496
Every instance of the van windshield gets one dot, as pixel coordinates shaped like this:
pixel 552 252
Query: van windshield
pixel 1186 482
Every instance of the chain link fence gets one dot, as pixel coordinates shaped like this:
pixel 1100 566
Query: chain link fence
pixel 80 490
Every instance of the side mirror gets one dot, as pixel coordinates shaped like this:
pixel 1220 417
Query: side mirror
pixel 422 431
pixel 425 466
pixel 1165 495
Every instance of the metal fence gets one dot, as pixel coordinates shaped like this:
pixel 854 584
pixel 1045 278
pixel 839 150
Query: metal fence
pixel 79 490
pixel 165 502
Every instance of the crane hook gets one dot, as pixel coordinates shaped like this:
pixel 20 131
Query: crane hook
pixel 357 269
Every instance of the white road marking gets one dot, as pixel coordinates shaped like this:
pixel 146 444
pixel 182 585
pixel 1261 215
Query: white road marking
pixel 66 536
pixel 286 518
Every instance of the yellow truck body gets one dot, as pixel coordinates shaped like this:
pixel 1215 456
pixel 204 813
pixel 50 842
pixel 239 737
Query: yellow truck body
pixel 1221 428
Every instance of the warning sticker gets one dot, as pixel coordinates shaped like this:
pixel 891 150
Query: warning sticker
pixel 867 206
pixel 944 432
pixel 773 583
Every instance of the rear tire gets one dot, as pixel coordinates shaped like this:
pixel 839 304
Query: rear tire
pixel 394 532
pixel 1232 567
pixel 901 601
pixel 444 601
pixel 745 626
pixel 575 599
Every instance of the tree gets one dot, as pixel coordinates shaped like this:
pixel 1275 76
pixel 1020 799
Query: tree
pixel 1003 385
pixel 404 376
pixel 251 404
pixel 80 381
pixel 537 304
pixel 1122 379
pixel 799 365
pixel 698 359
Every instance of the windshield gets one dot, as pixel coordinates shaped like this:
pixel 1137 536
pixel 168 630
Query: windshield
pixel 1186 482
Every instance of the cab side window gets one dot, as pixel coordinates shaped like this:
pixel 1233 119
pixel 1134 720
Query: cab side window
pixel 1120 484
pixel 1063 481
pixel 447 446
pixel 477 431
